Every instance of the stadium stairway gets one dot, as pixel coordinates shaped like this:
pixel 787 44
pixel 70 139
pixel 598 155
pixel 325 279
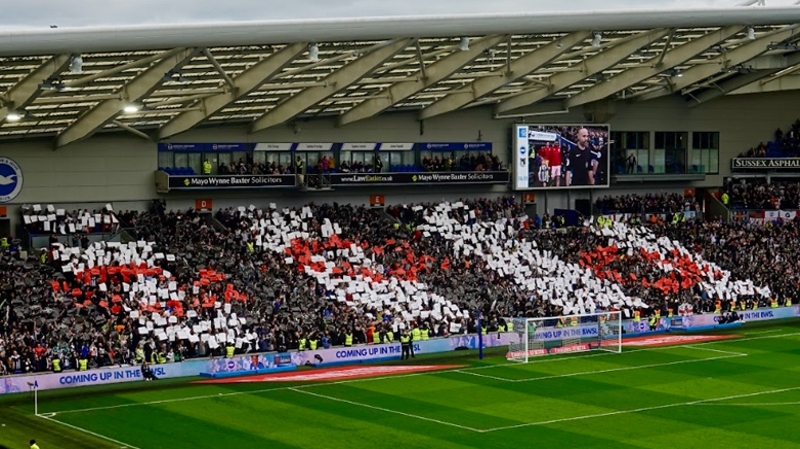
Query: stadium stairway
pixel 214 223
pixel 714 207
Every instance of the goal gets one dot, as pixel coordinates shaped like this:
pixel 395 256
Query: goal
pixel 534 337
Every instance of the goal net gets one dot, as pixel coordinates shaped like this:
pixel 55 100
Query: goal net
pixel 534 337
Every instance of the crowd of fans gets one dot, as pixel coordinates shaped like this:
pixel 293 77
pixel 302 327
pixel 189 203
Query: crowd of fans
pixel 186 268
pixel 361 167
pixel 54 220
pixel 248 167
pixel 783 145
pixel 651 203
pixel 467 162
pixel 759 194
pixel 372 164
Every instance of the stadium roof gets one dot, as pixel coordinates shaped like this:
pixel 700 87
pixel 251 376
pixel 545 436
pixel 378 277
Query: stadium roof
pixel 159 81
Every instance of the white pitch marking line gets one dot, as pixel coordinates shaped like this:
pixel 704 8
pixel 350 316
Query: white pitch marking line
pixel 739 354
pixel 89 432
pixel 729 354
pixel 427 373
pixel 396 412
pixel 484 376
pixel 766 332
pixel 626 368
pixel 754 404
pixel 737 340
pixel 637 410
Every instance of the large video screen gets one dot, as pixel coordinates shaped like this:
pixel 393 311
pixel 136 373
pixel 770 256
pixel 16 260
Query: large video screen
pixel 561 156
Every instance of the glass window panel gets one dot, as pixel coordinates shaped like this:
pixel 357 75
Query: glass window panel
pixel 359 156
pixel 259 157
pixel 285 159
pixel 617 136
pixel 660 140
pixel 385 160
pixel 698 161
pixel 224 159
pixel 395 159
pixel 643 159
pixel 682 142
pixel 630 141
pixel 196 162
pixel 181 160
pixel 213 159
pixel 669 140
pixel 237 156
pixel 713 161
pixel 166 159
pixel 659 155
pixel 425 154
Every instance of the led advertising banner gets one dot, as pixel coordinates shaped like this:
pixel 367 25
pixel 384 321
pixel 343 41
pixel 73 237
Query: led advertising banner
pixel 561 156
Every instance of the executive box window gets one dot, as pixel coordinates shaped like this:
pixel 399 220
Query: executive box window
pixel 399 160
pixel 360 162
pixel 166 159
pixel 273 161
pixel 670 151
pixel 223 159
pixel 631 150
pixel 180 160
pixel 705 152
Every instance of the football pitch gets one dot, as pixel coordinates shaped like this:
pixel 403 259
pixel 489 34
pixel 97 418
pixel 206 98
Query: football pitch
pixel 742 392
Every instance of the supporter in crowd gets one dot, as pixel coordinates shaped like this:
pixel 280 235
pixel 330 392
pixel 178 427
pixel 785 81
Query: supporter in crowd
pixel 355 167
pixel 784 144
pixel 467 162
pixel 760 194
pixel 249 168
pixel 190 268
pixel 759 150
pixel 649 203
pixel 54 220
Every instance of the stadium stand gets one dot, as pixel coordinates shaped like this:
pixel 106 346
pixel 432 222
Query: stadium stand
pixel 260 280
pixel 465 162
pixel 649 203
pixel 783 144
pixel 52 220
pixel 759 194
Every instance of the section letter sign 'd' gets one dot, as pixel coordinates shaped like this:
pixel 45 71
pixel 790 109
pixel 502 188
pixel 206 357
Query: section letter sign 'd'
pixel 10 179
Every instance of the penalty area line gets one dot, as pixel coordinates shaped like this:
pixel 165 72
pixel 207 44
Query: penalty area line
pixel 49 417
pixel 643 409
pixel 610 370
pixel 387 410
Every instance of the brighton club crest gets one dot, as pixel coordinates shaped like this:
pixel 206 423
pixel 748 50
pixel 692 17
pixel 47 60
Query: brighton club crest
pixel 10 179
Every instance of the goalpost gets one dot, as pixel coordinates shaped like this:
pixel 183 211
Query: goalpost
pixel 534 337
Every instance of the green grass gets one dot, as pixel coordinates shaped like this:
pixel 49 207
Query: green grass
pixel 739 393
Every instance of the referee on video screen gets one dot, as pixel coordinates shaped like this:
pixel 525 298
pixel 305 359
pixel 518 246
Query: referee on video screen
pixel 581 161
